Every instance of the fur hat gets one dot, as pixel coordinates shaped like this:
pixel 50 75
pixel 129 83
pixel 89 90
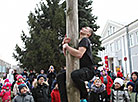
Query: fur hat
pixel 41 75
pixel 21 86
pixel 119 80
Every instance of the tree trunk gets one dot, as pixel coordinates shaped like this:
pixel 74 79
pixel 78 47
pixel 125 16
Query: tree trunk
pixel 72 63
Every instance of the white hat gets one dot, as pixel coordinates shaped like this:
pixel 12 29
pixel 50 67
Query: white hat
pixel 119 80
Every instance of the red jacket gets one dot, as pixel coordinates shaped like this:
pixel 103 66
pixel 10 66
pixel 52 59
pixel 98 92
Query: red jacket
pixel 55 96
pixel 109 84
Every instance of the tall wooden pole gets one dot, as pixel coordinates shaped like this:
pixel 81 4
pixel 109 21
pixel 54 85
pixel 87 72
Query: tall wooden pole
pixel 72 63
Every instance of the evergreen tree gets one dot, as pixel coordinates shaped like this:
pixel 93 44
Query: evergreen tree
pixel 42 48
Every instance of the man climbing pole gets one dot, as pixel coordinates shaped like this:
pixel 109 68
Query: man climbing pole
pixel 86 70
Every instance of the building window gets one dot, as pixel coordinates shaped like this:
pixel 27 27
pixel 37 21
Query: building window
pixel 111 47
pixel 118 45
pixel 131 40
pixel 113 29
pixel 137 37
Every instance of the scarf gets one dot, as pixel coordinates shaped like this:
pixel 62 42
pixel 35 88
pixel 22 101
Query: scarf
pixel 98 89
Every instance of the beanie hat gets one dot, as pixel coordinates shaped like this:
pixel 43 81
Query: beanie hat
pixel 6 80
pixel 19 76
pixel 21 86
pixel 130 83
pixel 119 80
pixel 41 75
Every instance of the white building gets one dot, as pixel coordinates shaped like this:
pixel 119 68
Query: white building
pixel 120 41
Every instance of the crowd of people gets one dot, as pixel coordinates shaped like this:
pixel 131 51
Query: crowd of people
pixel 105 86
pixel 94 85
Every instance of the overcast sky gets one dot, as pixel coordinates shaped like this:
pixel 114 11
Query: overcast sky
pixel 14 16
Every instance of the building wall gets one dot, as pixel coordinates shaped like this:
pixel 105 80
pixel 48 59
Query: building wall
pixel 121 43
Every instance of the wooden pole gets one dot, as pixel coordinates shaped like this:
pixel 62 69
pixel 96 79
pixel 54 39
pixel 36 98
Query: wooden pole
pixel 72 63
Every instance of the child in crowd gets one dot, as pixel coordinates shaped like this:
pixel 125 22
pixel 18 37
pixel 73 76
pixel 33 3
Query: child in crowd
pixel 23 95
pixel 98 92
pixel 18 82
pixel 55 96
pixel 6 91
pixel 118 93
pixel 132 94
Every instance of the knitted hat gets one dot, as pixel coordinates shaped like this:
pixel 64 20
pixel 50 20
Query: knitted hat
pixel 19 76
pixel 6 80
pixel 130 83
pixel 41 75
pixel 119 80
pixel 21 86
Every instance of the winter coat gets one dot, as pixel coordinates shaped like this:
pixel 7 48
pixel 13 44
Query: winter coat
pixel 23 98
pixel 108 85
pixel 119 95
pixel 55 96
pixel 41 93
pixel 6 95
pixel 98 94
pixel 10 76
pixel 133 96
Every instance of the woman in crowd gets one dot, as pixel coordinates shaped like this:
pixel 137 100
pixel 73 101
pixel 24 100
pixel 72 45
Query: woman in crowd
pixel 40 91
pixel 106 79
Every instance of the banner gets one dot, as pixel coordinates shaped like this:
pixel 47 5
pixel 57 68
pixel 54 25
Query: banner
pixel 106 63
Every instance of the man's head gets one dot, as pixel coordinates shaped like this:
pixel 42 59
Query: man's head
pixel 86 31
pixel 42 71
pixel 22 88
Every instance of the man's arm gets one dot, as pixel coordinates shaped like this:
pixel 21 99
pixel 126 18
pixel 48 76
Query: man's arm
pixel 74 52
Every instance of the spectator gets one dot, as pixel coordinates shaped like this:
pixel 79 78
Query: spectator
pixel 23 95
pixel 132 94
pixel 31 76
pixel 14 74
pixel 134 77
pixel 55 96
pixel 106 79
pixel 25 73
pixel 119 74
pixel 6 91
pixel 10 76
pixel 118 93
pixel 51 76
pixel 41 90
pixel 98 92
pixel 17 83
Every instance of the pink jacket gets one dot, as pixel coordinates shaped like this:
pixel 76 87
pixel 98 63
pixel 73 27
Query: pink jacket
pixel 6 95
pixel 6 91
